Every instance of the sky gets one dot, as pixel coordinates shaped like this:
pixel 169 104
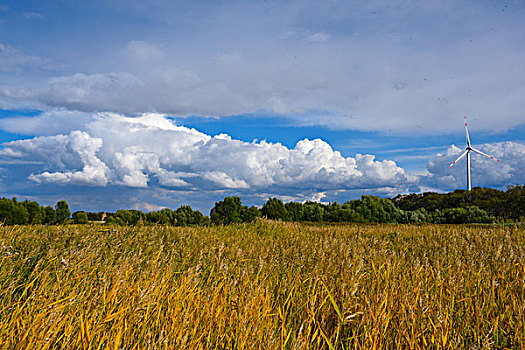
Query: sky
pixel 148 104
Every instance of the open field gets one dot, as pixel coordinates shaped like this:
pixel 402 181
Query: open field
pixel 262 286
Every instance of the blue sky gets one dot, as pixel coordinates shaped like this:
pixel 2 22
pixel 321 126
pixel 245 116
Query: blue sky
pixel 147 104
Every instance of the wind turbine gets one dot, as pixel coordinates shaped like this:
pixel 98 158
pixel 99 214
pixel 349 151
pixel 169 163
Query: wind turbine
pixel 467 153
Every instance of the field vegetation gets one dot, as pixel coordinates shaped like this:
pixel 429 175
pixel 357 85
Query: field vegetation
pixel 264 285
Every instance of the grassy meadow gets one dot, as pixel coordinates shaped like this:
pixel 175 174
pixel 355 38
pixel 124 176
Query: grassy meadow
pixel 265 285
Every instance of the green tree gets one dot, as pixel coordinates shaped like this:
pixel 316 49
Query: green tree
pixel 80 217
pixel 227 211
pixel 376 209
pixel 313 212
pixel 295 210
pixel 13 212
pixel 186 216
pixel 468 215
pixel 95 216
pixel 157 217
pixel 250 214
pixel 350 215
pixel 62 211
pixel 333 212
pixel 129 217
pixel 515 201
pixel 274 209
pixel 115 220
pixel 7 208
pixel 170 214
pixel 50 215
pixel 36 214
pixel 488 199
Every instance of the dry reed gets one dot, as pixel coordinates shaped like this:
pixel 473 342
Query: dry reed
pixel 262 286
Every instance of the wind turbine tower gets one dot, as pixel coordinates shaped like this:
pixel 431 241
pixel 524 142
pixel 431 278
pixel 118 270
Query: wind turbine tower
pixel 467 153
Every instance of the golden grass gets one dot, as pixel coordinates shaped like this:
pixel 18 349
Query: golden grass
pixel 262 286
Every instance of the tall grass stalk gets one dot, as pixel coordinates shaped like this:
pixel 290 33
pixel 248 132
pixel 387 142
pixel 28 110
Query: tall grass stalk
pixel 265 285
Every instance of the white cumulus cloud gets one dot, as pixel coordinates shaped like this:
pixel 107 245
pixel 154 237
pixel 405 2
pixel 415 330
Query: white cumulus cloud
pixel 76 150
pixel 151 150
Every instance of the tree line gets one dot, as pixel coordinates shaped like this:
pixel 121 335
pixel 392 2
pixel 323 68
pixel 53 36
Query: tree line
pixel 480 205
pixel 13 212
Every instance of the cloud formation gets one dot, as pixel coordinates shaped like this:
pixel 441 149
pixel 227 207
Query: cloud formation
pixel 484 171
pixel 78 145
pixel 377 65
pixel 108 160
pixel 14 60
pixel 152 151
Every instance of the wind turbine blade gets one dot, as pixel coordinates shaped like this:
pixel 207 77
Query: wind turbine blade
pixel 466 130
pixel 461 156
pixel 484 154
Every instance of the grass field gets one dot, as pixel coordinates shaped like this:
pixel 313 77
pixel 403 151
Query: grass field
pixel 262 286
